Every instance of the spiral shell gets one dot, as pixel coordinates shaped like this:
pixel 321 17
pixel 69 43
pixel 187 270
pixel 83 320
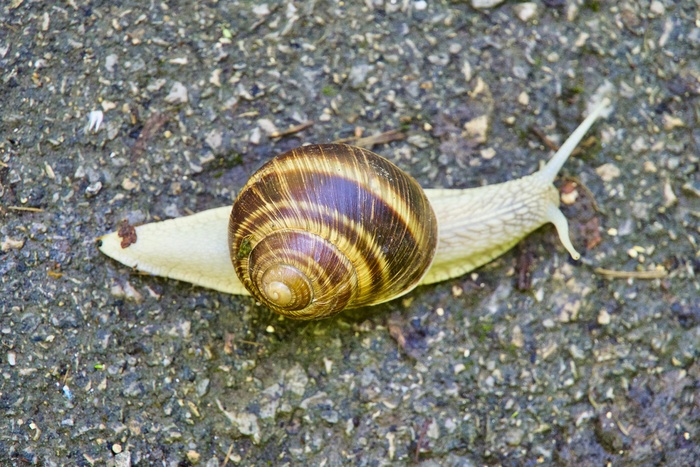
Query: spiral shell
pixel 324 228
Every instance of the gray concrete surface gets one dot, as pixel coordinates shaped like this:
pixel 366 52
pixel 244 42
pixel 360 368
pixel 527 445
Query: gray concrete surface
pixel 530 360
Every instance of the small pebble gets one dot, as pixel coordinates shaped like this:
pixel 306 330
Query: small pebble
pixel 128 184
pixel 419 141
pixel 581 39
pixel 261 10
pixel 193 456
pixel 108 105
pixel 576 352
pixel 692 188
pixel 603 317
pixel 639 145
pixel 525 11
pixel 477 128
pixel 11 244
pixel 514 436
pixel 483 4
pixel 202 387
pixel 433 430
pixel 517 338
pixel 671 122
pixel 330 416
pixel 523 99
pixel 126 291
pixel 93 189
pixel 358 74
pixel 467 71
pixel 255 136
pixel 539 295
pixel 670 197
pixel 49 171
pixel 247 424
pixel 325 115
pixel 177 94
pixel 267 126
pixel 569 198
pixel 328 365
pixel 657 8
pixel 488 153
pixel 673 163
pixel 296 380
pixel 215 78
pixel 214 139
pixel 156 85
pixel 111 61
pixel 171 210
pixel 608 172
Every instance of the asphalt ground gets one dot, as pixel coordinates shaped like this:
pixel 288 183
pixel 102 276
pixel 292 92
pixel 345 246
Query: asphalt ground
pixel 531 359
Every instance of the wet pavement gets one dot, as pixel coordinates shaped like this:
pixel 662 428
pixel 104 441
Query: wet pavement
pixel 531 359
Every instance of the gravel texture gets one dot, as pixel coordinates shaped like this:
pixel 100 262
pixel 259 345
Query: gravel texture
pixel 531 359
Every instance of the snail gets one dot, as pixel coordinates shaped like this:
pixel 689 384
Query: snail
pixel 323 228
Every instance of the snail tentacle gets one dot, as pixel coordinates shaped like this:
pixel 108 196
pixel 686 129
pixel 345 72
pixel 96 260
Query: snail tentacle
pixel 555 216
pixel 552 168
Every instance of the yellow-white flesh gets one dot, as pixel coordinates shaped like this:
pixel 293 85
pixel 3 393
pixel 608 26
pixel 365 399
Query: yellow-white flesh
pixel 475 225
pixel 193 249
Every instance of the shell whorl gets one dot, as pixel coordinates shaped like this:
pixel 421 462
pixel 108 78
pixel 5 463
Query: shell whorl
pixel 323 228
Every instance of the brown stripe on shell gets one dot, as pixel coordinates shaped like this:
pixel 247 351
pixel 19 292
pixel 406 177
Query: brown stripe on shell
pixel 352 237
pixel 283 209
pixel 329 274
pixel 348 235
pixel 336 161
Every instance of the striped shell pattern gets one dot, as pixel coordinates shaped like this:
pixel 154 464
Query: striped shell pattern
pixel 323 228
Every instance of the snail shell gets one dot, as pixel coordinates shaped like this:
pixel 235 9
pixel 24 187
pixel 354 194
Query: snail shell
pixel 324 228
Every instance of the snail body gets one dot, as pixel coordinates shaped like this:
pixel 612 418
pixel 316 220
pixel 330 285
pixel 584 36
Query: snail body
pixel 323 228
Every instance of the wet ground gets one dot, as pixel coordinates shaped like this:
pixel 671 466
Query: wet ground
pixel 532 359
